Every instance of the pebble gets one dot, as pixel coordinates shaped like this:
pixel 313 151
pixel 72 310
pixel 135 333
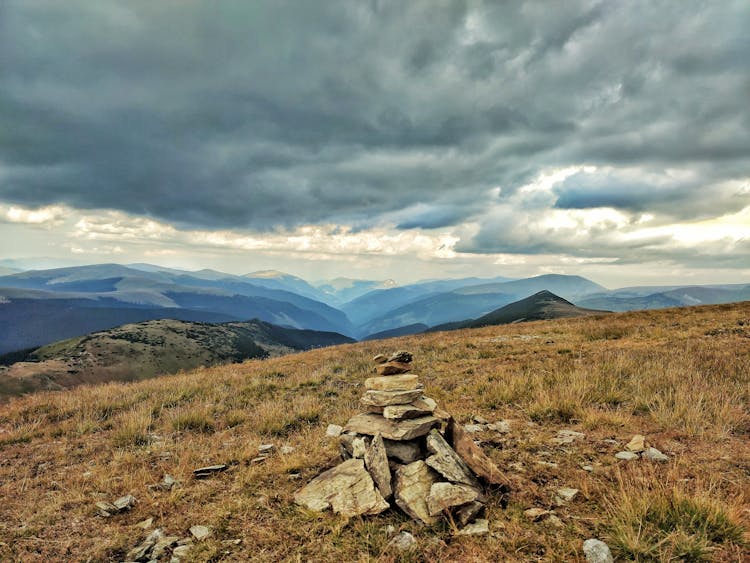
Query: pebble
pixel 403 542
pixel 654 455
pixel 200 532
pixel 567 437
pixel 588 468
pixel 536 514
pixel 596 551
pixel 564 495
pixel 474 428
pixel 626 456
pixel 637 444
pixel 334 430
pixel 501 426
pixel 266 448
pixel 145 524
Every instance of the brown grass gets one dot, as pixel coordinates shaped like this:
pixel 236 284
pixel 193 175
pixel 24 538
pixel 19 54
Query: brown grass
pixel 681 377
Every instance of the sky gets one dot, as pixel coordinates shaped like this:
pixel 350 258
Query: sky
pixel 378 139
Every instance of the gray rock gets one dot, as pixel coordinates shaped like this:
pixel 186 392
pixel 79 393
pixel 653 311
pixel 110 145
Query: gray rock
pixel 403 451
pixel 200 532
pixel 480 420
pixel 106 509
pixel 626 456
pixel 266 448
pixel 479 527
pixel 468 512
pixel 181 551
pixel 447 462
pixel 359 447
pixel 564 495
pixel 654 455
pixel 161 546
pixel 203 472
pixel 386 398
pixel 481 465
pixel 403 542
pixel 412 485
pixel 474 428
pixel 444 496
pixel 124 503
pixel 141 552
pixel 145 524
pixel 334 430
pixel 376 462
pixel 567 437
pixel 501 426
pixel 348 489
pixel 597 551
pixel 372 424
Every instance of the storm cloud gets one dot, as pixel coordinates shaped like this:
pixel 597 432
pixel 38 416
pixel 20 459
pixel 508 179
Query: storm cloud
pixel 268 115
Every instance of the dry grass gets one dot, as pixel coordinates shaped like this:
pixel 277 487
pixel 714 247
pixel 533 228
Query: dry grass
pixel 681 377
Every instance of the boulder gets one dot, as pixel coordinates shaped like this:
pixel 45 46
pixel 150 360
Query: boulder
pixel 403 382
pixel 372 424
pixel 386 398
pixel 472 455
pixel 447 462
pixel 376 462
pixel 347 489
pixel 444 496
pixel 412 485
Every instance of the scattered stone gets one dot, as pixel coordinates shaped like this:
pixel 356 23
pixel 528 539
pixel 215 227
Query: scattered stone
pixel 501 426
pixel 479 527
pixel 626 456
pixel 404 452
pixel 237 541
pixel 588 468
pixel 347 489
pixel 402 357
pixel 334 430
pixel 167 482
pixel 374 398
pixel 181 551
pixel 555 521
pixel 468 512
pixel 372 424
pixel 654 455
pixel 124 503
pixel 266 448
pixel 286 450
pixel 567 437
pixel 470 453
pixel 203 472
pixel 536 514
pixel 413 484
pixel 474 428
pixel 480 419
pixel 161 546
pixel 380 359
pixel 140 552
pixel 447 462
pixel 145 524
pixel 597 551
pixel 200 532
pixel 637 444
pixel 402 542
pixel 259 459
pixel 550 464
pixel 376 462
pixel 564 495
pixel 403 382
pixel 447 495
pixel 106 509
pixel 392 368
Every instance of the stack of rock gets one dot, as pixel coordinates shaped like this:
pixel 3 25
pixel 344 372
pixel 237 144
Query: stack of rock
pixel 396 452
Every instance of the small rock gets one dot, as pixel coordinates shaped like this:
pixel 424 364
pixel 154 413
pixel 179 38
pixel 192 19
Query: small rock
pixel 371 424
pixel 567 437
pixel 380 359
pixel 286 450
pixel 468 512
pixel 359 447
pixel 637 444
pixel 167 482
pixel 626 456
pixel 334 430
pixel 443 496
pixel 654 455
pixel 555 521
pixel 402 356
pixel 480 419
pixel 162 545
pixel 181 551
pixel 124 503
pixel 259 459
pixel 536 514
pixel 203 472
pixel 403 542
pixel 597 551
pixel 478 528
pixel 106 509
pixel 474 428
pixel 404 452
pixel 564 495
pixel 237 541
pixel 588 468
pixel 550 464
pixel 200 532
pixel 266 448
pixel 412 485
pixel 376 462
pixel 372 398
pixel 145 524
pixel 501 426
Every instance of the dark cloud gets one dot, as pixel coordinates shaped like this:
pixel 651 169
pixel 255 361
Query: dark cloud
pixel 265 114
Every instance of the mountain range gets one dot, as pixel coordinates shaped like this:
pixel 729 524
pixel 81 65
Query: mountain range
pixel 42 306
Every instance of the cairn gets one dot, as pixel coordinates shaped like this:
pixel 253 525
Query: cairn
pixel 404 450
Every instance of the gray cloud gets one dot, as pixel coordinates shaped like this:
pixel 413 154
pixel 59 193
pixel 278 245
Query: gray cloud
pixel 259 115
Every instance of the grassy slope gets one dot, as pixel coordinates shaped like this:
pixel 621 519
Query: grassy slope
pixel 681 377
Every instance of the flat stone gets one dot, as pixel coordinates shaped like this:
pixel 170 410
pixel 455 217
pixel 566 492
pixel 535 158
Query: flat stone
pixel 124 503
pixel 392 368
pixel 567 437
pixel 536 514
pixel 200 532
pixel 181 551
pixel 553 520
pixel 372 424
pixel 420 407
pixel 380 359
pixel 203 472
pixel 474 428
pixel 444 496
pixel 106 509
pixel 637 444
pixel 626 456
pixel 447 462
pixel 479 419
pixel 501 426
pixel 145 524
pixel 161 546
pixel 412 485
pixel 259 459
pixel 140 552
pixel 468 512
pixel 334 430
pixel 266 448
pixel 348 489
pixel 654 455
pixel 479 527
pixel 404 452
pixel 564 495
pixel 376 462
pixel 402 542
pixel 403 382
pixel 402 357
pixel 472 455
pixel 596 551
pixel 386 398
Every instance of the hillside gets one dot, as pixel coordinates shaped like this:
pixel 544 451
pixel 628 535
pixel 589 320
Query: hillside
pixel 680 377
pixel 538 307
pixel 142 350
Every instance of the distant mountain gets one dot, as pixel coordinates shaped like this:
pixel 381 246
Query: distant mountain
pixel 473 301
pixel 543 305
pixel 343 290
pixel 629 299
pixel 401 331
pixel 142 350
pixel 273 279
